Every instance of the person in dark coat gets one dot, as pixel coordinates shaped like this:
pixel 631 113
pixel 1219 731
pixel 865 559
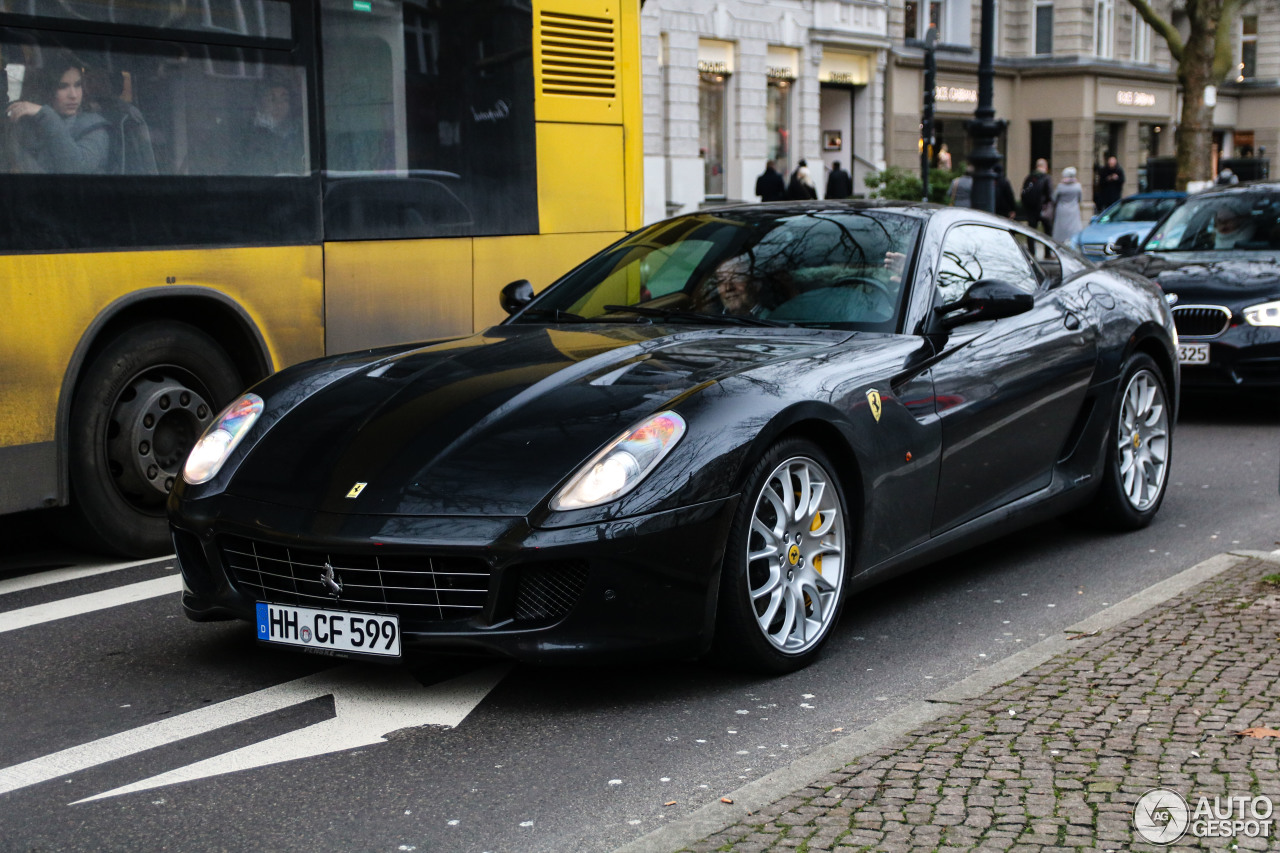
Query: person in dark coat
pixel 1006 205
pixel 1037 189
pixel 801 186
pixel 839 182
pixel 770 186
pixel 1110 185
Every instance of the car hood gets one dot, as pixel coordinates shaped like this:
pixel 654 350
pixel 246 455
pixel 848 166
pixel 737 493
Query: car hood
pixel 1209 276
pixel 492 423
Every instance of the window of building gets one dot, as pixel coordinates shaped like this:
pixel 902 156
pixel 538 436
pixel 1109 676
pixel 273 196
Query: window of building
pixel 1042 142
pixel 1044 27
pixel 1141 47
pixel 921 15
pixel 1248 47
pixel 711 131
pixel 1104 24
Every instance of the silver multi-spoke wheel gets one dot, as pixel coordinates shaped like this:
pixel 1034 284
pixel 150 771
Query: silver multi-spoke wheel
pixel 795 555
pixel 1142 440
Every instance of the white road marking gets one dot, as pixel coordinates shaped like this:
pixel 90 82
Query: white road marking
pixel 52 576
pixel 37 614
pixel 368 705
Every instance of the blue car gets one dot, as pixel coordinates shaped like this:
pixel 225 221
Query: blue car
pixel 1134 214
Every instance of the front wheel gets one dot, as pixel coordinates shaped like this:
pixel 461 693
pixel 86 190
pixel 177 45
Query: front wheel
pixel 1139 449
pixel 782 582
pixel 142 403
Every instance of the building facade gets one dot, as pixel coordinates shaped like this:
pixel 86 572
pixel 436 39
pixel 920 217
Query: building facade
pixel 731 85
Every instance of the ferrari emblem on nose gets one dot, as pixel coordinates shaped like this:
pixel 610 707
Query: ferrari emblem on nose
pixel 873 399
pixel 332 583
pixel 356 490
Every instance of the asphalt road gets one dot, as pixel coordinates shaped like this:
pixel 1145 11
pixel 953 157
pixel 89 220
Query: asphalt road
pixel 516 758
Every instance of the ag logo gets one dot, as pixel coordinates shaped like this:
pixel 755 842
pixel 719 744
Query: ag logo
pixel 1161 816
pixel 356 490
pixel 873 399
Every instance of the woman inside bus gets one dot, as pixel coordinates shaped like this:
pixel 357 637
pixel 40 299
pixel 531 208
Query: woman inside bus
pixel 58 137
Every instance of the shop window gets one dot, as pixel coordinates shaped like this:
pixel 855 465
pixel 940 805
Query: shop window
pixel 1044 27
pixel 711 131
pixel 778 123
pixel 922 15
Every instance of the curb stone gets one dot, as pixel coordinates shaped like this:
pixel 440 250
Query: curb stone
pixel 826 763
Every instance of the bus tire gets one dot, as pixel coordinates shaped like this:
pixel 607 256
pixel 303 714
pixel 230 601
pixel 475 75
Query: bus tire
pixel 140 406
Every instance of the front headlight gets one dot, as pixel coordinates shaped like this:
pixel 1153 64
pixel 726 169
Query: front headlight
pixel 222 436
pixel 622 464
pixel 1266 314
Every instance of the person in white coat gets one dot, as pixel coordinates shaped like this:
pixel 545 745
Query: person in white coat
pixel 1066 206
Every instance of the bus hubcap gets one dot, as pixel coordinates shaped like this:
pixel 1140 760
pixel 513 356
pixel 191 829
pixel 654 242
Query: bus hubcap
pixel 154 426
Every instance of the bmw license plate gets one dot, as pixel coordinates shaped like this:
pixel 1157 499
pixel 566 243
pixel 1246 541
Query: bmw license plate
pixel 1193 353
pixel 329 630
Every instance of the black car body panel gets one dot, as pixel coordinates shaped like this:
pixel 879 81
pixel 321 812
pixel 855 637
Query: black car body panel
pixel 941 439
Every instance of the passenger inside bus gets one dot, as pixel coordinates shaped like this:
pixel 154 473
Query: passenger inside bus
pixel 55 135
pixel 273 145
pixel 110 93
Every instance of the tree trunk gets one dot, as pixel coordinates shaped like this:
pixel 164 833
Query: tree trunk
pixel 1195 71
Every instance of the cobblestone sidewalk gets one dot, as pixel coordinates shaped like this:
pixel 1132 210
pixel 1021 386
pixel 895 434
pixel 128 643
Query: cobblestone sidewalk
pixel 1056 759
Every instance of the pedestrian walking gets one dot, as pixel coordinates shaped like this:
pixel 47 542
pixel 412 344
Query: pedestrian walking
pixel 839 182
pixel 1006 206
pixel 1110 186
pixel 1066 206
pixel 770 186
pixel 960 193
pixel 801 186
pixel 1037 194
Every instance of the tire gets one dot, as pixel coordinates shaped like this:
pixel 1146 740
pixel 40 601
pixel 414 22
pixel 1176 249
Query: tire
pixel 140 406
pixel 784 557
pixel 1135 474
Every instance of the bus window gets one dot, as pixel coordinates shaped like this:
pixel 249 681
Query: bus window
pixel 259 18
pixel 429 121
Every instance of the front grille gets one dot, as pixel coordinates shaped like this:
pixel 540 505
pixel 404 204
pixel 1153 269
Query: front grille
pixel 1201 321
pixel 417 587
pixel 579 55
pixel 549 590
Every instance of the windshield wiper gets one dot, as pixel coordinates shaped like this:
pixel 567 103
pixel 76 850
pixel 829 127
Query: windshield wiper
pixel 555 314
pixel 696 316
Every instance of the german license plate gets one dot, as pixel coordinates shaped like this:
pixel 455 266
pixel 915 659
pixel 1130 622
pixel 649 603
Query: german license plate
pixel 1193 353
pixel 329 630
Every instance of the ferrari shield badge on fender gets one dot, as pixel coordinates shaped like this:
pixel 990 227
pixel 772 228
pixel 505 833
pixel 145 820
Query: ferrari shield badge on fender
pixel 873 399
pixel 359 487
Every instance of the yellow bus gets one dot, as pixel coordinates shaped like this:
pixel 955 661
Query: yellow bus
pixel 195 193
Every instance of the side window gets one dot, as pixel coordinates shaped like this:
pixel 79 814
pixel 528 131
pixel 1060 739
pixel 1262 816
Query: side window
pixel 81 106
pixel 971 253
pixel 1044 259
pixel 429 119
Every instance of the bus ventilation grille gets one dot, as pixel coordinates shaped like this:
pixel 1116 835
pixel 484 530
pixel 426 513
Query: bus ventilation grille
pixel 579 55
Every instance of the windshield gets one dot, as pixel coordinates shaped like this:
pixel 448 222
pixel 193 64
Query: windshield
pixel 830 268
pixel 1227 221
pixel 1139 209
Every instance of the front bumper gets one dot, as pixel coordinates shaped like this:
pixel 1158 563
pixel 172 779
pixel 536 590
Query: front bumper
pixel 640 587
pixel 1242 357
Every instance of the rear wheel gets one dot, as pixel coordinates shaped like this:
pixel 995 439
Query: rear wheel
pixel 141 405
pixel 1139 449
pixel 782 583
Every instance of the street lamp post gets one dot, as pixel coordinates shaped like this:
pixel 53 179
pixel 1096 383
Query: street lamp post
pixel 983 128
pixel 926 123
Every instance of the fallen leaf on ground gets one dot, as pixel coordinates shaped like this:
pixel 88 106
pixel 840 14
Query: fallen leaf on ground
pixel 1092 633
pixel 1258 732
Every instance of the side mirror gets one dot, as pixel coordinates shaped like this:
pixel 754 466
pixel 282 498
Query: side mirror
pixel 1125 244
pixel 516 296
pixel 988 299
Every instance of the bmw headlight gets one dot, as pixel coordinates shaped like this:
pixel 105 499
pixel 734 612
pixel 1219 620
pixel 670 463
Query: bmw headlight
pixel 1266 314
pixel 620 466
pixel 222 436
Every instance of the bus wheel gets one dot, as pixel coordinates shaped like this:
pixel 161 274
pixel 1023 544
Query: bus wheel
pixel 142 403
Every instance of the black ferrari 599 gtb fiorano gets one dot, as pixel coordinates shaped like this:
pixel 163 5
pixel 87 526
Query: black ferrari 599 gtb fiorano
pixel 703 439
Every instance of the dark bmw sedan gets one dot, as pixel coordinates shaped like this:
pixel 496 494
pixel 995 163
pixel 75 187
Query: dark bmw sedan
pixel 1217 258
pixel 703 439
